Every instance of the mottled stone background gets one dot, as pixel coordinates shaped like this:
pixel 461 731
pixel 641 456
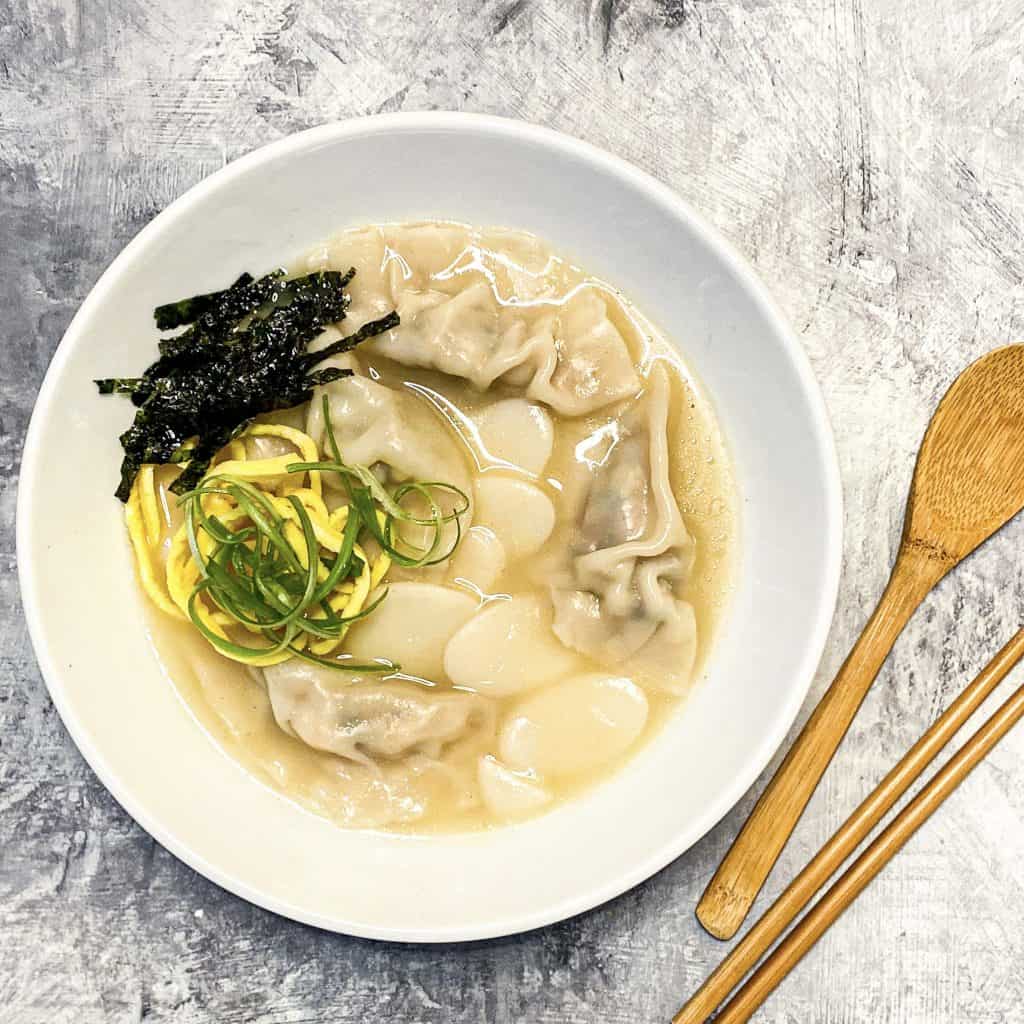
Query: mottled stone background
pixel 867 157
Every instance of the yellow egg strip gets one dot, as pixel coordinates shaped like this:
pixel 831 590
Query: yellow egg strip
pixel 256 470
pixel 338 518
pixel 146 486
pixel 351 605
pixel 149 574
pixel 305 445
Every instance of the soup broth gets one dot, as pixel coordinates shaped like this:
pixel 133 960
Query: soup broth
pixel 593 567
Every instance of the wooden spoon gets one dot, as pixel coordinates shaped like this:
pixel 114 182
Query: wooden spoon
pixel 968 482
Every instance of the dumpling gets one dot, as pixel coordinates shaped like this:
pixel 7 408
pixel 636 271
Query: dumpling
pixel 364 718
pixel 507 648
pixel 586 363
pixel 412 626
pixel 517 433
pixel 521 515
pixel 374 424
pixel 573 726
pixel 631 551
pixel 464 335
pixel 574 360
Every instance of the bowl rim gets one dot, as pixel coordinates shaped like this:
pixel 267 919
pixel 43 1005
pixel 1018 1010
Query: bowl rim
pixel 630 176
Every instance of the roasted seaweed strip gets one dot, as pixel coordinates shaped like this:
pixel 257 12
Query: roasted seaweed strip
pixel 187 311
pixel 243 354
pixel 368 330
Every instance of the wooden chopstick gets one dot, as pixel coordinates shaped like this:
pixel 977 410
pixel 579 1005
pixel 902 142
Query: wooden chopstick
pixel 852 882
pixel 783 912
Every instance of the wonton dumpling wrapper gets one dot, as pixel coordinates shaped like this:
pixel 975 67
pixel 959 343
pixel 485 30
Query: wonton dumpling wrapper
pixel 618 595
pixel 269 448
pixel 362 719
pixel 458 334
pixel 479 559
pixel 341 360
pixel 671 654
pixel 438 251
pixel 377 424
pixel 586 364
pixel 412 626
pixel 575 361
pixel 507 648
pixel 521 515
pixel 574 726
pixel 507 794
pixel 371 289
pixel 517 432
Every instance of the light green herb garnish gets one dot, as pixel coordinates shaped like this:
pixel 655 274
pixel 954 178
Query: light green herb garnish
pixel 262 565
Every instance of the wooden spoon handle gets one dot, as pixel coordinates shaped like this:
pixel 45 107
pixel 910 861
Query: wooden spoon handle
pixel 739 877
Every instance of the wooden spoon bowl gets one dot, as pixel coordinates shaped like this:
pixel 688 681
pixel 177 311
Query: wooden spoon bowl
pixel 969 479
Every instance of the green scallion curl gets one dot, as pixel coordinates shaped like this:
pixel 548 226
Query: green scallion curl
pixel 256 576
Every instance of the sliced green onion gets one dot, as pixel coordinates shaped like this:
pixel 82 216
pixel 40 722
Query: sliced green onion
pixel 255 575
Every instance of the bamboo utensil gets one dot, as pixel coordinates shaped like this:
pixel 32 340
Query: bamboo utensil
pixel 783 912
pixel 969 480
pixel 853 881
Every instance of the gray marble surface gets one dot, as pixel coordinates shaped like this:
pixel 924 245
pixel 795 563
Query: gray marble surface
pixel 866 156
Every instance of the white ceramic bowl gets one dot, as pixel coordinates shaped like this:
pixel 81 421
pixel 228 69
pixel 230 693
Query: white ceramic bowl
pixel 84 610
